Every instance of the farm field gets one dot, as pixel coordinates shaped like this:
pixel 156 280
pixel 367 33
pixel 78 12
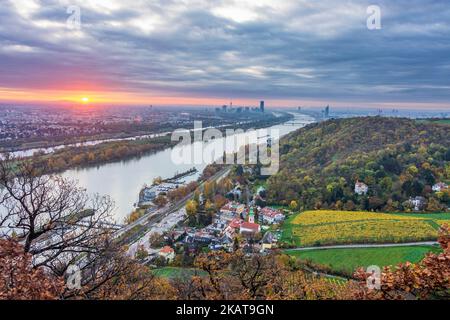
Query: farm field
pixel 174 272
pixel 347 260
pixel 326 227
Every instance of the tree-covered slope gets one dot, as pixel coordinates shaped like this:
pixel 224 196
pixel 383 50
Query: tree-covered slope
pixel 397 158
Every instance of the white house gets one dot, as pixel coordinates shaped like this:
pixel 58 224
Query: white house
pixel 440 186
pixel 167 253
pixel 361 188
pixel 418 203
pixel 271 216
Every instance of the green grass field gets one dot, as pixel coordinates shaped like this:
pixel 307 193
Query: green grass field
pixel 327 227
pixel 442 121
pixel 439 121
pixel 174 272
pixel 347 260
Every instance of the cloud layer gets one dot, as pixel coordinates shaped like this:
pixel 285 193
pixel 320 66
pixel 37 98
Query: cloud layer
pixel 293 50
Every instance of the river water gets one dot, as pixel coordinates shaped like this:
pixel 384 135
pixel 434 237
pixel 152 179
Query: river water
pixel 123 180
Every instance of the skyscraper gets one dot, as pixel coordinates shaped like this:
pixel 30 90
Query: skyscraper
pixel 261 106
pixel 327 111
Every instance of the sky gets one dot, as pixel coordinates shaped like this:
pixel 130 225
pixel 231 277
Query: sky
pixel 170 52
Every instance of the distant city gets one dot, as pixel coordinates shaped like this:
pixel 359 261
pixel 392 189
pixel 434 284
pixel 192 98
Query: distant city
pixel 25 122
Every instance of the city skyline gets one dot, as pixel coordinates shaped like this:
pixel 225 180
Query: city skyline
pixel 290 54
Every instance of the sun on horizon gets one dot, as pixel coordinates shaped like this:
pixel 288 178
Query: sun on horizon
pixel 85 100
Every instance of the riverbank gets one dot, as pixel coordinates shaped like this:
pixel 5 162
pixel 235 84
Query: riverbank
pixel 86 156
pixel 128 131
pixel 104 153
pixel 28 147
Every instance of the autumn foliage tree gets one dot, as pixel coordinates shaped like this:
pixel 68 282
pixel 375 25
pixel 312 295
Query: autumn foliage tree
pixel 51 216
pixel 191 210
pixel 160 201
pixel 49 224
pixel 19 280
pixel 236 276
pixel 396 158
pixel 125 280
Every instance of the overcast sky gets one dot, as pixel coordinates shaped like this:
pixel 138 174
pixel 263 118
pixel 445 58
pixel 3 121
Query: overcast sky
pixel 293 52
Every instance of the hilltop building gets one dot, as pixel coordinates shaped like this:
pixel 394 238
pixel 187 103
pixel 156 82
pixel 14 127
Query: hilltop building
pixel 418 203
pixel 361 188
pixel 440 186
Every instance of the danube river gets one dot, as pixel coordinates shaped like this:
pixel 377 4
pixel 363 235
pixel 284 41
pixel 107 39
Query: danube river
pixel 123 180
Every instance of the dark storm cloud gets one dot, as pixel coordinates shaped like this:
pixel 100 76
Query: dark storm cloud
pixel 296 50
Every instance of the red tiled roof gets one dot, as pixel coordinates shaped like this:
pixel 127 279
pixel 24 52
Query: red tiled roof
pixel 235 223
pixel 228 208
pixel 360 184
pixel 249 225
pixel 269 212
pixel 166 249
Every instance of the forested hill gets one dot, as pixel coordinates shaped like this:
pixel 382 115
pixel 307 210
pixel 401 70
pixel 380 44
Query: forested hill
pixel 397 158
